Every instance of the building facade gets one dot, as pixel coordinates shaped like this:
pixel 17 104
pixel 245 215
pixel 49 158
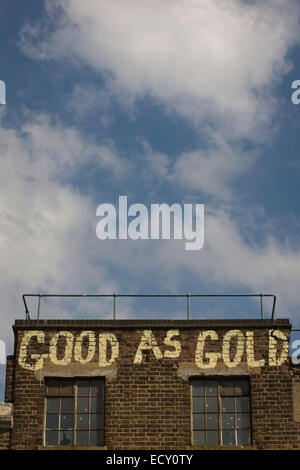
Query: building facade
pixel 151 384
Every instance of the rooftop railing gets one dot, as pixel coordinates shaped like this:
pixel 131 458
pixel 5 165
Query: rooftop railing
pixel 114 298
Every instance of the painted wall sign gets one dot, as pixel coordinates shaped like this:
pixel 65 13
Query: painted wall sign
pixel 234 343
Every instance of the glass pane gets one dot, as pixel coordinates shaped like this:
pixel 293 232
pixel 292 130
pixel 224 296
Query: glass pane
pixel 83 404
pixel 198 404
pixel 53 387
pixel 228 421
pixel 228 438
pixel 244 437
pixel 211 388
pixel 96 388
pixel 51 421
pixel 242 404
pixel 51 438
pixel 212 404
pixel 96 404
pixel 199 438
pixel 198 388
pixel 67 405
pixel 243 420
pixel 82 438
pixel 82 421
pixel 66 438
pixel 212 421
pixel 228 404
pixel 96 438
pixel 227 388
pixel 96 421
pixel 52 405
pixel 212 438
pixel 242 387
pixel 83 387
pixel 198 421
pixel 66 421
pixel 66 389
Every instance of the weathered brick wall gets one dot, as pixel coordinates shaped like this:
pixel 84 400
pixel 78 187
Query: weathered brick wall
pixel 147 367
pixel 5 425
pixel 9 381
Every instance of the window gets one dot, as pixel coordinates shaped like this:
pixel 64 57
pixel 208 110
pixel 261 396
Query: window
pixel 221 412
pixel 74 412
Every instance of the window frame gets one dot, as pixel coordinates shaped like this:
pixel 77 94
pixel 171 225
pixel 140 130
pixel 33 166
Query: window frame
pixel 218 380
pixel 74 382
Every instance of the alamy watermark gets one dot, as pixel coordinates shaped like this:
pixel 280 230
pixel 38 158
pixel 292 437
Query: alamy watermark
pixel 188 222
pixel 295 356
pixel 295 97
pixel 2 92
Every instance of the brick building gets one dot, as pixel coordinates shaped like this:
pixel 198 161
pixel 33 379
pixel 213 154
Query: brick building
pixel 151 384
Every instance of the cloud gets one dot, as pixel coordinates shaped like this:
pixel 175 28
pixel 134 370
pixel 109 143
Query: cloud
pixel 206 60
pixel 211 170
pixel 228 261
pixel 46 224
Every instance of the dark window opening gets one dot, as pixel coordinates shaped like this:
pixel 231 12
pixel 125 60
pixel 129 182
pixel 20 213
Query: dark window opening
pixel 74 412
pixel 221 412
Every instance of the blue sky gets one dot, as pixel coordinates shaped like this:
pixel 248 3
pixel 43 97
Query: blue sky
pixel 185 101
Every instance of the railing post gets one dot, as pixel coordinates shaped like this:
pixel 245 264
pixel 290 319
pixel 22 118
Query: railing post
pixel 188 305
pixel 39 306
pixel 261 307
pixel 114 312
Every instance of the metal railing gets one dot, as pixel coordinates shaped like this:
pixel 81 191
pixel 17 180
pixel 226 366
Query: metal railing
pixel 116 296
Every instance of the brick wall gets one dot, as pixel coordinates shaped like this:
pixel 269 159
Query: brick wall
pixel 147 366
pixel 5 425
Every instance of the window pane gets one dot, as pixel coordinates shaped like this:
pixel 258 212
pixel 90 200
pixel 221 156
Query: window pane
pixel 212 421
pixel 212 404
pixel 199 438
pixel 53 387
pixel 227 388
pixel 66 421
pixel 67 405
pixel 82 421
pixel 83 387
pixel 212 438
pixel 51 438
pixel 96 438
pixel 96 388
pixel 244 437
pixel 211 388
pixel 83 404
pixel 228 421
pixel 96 421
pixel 66 389
pixel 242 404
pixel 198 421
pixel 198 404
pixel 96 404
pixel 242 387
pixel 228 438
pixel 52 421
pixel 52 405
pixel 82 438
pixel 198 388
pixel 228 404
pixel 243 420
pixel 66 438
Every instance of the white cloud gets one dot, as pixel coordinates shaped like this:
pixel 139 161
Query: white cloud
pixel 227 261
pixel 203 59
pixel 46 226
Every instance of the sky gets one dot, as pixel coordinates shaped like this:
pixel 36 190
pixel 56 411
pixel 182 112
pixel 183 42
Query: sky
pixel 180 101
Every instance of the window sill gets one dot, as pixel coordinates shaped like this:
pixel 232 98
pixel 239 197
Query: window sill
pixel 251 447
pixel 72 448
